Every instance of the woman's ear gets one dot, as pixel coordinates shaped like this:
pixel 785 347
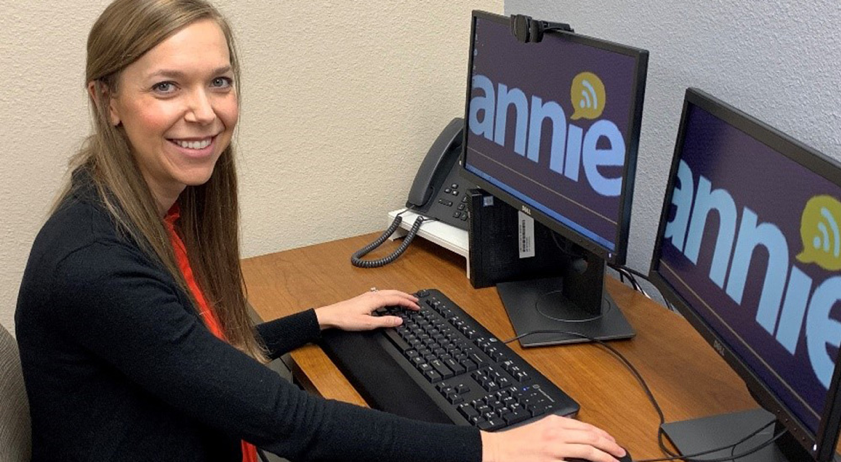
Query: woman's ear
pixel 99 92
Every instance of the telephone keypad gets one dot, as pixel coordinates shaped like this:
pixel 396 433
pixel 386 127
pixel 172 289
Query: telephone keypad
pixel 447 204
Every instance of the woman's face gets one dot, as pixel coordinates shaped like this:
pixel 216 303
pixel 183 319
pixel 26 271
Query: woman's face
pixel 178 106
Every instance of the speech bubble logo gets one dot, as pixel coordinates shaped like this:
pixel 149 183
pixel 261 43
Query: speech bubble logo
pixel 588 96
pixel 819 232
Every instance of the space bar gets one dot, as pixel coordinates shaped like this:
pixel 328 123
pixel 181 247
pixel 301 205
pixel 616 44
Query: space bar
pixel 395 338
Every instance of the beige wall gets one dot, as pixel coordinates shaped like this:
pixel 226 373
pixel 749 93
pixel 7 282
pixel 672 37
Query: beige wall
pixel 341 101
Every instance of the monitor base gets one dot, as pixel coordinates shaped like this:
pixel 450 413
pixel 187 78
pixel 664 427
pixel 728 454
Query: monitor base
pixel 539 304
pixel 699 435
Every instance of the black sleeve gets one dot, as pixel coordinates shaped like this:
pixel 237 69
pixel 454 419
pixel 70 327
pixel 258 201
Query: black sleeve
pixel 109 299
pixel 289 332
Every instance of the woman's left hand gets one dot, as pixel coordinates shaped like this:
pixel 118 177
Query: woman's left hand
pixel 356 313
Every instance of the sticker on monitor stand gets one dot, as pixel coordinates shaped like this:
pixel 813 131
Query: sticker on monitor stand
pixel 526 233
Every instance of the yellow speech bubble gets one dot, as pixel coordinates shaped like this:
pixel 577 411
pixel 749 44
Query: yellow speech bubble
pixel 588 96
pixel 819 232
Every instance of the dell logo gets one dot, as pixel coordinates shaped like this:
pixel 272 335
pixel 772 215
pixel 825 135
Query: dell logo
pixel 525 210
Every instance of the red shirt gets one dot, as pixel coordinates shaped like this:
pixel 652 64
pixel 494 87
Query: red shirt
pixel 249 451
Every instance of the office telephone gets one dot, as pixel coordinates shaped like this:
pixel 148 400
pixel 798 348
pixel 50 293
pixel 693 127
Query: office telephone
pixel 437 193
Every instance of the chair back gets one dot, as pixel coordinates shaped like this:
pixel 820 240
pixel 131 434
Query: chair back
pixel 15 426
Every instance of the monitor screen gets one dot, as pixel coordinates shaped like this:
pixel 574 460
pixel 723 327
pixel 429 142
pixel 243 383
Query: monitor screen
pixel 553 129
pixel 749 249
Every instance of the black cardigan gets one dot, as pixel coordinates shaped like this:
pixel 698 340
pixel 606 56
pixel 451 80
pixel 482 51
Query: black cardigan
pixel 119 367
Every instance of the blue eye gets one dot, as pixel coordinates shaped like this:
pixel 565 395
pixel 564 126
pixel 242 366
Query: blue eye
pixel 222 82
pixel 164 87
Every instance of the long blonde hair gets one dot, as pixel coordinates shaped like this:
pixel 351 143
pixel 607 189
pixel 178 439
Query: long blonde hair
pixel 125 31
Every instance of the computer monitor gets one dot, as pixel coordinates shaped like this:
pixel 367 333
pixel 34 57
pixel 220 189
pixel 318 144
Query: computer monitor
pixel 552 129
pixel 748 251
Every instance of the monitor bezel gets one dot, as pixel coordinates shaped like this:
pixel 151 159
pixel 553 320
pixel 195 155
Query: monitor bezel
pixel 822 444
pixel 618 255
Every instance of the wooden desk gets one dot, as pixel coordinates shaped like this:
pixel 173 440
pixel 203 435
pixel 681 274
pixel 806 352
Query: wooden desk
pixel 688 379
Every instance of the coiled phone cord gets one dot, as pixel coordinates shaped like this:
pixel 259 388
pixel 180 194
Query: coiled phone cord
pixel 356 258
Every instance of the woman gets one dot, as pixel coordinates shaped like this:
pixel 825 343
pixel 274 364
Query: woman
pixel 131 318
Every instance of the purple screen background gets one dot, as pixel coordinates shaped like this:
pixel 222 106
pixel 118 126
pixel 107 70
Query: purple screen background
pixel 777 189
pixel 547 69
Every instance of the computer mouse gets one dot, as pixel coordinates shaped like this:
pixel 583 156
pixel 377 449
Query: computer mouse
pixel 627 458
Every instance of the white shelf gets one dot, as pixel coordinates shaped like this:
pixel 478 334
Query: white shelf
pixel 447 236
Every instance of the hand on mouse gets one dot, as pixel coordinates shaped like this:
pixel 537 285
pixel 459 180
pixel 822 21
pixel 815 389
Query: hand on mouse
pixel 553 438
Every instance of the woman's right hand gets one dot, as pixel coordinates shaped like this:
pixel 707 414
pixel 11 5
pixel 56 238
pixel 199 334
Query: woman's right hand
pixel 553 438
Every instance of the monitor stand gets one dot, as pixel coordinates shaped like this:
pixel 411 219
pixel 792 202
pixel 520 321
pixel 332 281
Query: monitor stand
pixel 699 435
pixel 575 302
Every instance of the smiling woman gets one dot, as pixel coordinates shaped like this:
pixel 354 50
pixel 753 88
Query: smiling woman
pixel 134 337
pixel 178 106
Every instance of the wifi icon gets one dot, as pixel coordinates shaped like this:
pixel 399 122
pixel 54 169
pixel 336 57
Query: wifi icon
pixel 819 231
pixel 588 96
pixel 825 239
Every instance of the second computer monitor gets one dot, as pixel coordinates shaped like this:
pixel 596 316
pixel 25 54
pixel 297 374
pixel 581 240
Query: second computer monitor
pixel 749 250
pixel 553 129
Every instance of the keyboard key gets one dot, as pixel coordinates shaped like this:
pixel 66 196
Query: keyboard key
pixel 516 417
pixel 432 375
pixel 455 398
pixel 468 411
pixel 492 424
pixel 455 366
pixel 522 376
pixel 442 369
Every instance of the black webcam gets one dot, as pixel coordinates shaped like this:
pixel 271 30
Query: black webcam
pixel 526 29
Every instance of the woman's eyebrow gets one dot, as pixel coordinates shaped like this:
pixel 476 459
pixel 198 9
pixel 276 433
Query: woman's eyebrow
pixel 171 73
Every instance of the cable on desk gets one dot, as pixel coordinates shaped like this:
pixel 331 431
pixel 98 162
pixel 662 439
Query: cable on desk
pixel 624 272
pixel 356 258
pixel 661 416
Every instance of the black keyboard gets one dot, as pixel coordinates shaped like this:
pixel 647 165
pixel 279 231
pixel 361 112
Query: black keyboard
pixel 441 365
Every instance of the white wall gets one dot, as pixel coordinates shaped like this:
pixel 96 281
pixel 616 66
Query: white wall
pixel 777 60
pixel 341 101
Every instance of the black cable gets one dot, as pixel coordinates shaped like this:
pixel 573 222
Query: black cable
pixel 356 258
pixel 624 273
pixel 656 406
pixel 637 273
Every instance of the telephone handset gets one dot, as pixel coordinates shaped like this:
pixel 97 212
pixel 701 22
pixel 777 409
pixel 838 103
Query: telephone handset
pixel 437 193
